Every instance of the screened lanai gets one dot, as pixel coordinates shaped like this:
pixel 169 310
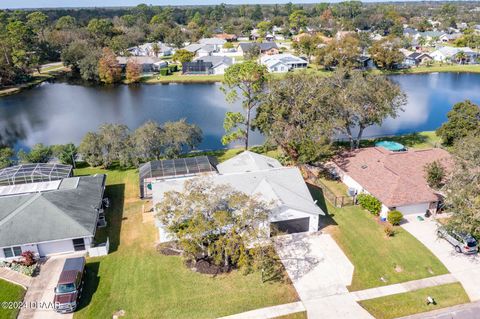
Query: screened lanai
pixel 172 168
pixel 34 173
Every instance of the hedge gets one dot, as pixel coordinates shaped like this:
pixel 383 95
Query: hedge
pixel 165 71
pixel 370 203
pixel 173 68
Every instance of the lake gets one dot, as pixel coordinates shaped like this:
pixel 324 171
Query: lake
pixel 58 113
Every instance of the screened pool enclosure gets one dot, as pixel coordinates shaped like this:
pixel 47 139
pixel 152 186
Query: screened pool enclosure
pixel 172 168
pixel 34 173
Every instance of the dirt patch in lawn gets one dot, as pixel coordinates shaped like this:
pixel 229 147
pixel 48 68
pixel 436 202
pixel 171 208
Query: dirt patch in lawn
pixel 204 266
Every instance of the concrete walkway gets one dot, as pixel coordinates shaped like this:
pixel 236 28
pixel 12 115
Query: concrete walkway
pixel 270 312
pixel 320 273
pixel 15 277
pixel 403 287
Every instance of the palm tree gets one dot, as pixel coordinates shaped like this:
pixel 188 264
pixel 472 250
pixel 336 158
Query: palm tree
pixel 156 49
pixel 461 57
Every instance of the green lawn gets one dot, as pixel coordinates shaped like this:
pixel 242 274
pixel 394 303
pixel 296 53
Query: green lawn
pixel 468 68
pixel 375 256
pixel 177 77
pixel 11 293
pixel 335 186
pixel 296 315
pixel 143 283
pixel 413 302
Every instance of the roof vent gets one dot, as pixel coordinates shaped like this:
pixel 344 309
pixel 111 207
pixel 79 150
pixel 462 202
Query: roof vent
pixel 364 166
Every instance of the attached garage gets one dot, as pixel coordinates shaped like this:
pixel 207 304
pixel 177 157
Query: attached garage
pixel 291 226
pixel 55 247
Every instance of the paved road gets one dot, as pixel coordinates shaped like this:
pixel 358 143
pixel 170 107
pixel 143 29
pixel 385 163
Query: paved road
pixel 320 272
pixel 466 311
pixel 466 268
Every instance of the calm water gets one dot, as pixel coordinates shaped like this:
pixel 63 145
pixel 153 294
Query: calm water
pixel 55 113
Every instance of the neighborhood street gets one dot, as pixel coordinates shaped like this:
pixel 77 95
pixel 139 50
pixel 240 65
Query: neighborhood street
pixel 466 268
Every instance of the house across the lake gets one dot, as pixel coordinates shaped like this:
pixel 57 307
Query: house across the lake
pixel 280 63
pixel 254 174
pixel 147 63
pixel 49 215
pixel 417 58
pixel 396 178
pixel 219 63
pixel 268 48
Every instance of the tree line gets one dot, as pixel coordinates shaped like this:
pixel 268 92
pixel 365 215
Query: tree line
pixel 78 36
pixel 116 144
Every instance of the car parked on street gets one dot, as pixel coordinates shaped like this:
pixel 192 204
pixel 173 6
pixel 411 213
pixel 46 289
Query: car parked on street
pixel 70 285
pixel 462 242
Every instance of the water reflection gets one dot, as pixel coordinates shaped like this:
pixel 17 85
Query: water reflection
pixel 56 113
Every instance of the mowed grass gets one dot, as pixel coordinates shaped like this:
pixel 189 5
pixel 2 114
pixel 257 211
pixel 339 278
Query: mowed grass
pixel 413 302
pixel 397 259
pixel 143 283
pixel 10 293
pixel 296 315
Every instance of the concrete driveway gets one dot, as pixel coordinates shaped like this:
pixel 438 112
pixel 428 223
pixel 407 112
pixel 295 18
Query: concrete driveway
pixel 40 293
pixel 466 268
pixel 320 272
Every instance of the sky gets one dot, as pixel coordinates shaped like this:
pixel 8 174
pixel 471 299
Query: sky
pixel 14 4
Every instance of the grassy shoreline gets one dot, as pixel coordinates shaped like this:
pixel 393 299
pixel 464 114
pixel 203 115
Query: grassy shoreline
pixel 217 78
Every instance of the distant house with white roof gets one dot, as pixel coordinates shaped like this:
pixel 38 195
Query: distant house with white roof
pixel 280 63
pixel 148 49
pixel 254 174
pixel 452 54
pixel 216 43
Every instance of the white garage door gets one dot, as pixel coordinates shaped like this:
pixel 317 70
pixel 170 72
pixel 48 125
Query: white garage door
pixel 413 209
pixel 55 247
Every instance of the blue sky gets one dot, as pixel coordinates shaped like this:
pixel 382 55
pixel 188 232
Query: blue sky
pixel 12 4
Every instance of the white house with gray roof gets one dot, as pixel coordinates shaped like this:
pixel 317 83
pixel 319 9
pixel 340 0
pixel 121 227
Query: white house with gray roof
pixel 219 63
pixel 280 63
pixel 50 217
pixel 254 174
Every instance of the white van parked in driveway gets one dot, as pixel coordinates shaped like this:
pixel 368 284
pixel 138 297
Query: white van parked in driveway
pixel 463 242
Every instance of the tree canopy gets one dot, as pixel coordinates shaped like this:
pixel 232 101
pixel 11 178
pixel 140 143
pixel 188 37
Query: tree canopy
pixel 215 222
pixel 463 119
pixel 294 117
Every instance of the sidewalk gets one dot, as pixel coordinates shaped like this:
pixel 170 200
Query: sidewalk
pixel 270 312
pixel 403 287
pixel 15 277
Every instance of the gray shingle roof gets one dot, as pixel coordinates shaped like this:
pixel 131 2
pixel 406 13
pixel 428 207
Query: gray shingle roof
pixel 263 46
pixel 52 215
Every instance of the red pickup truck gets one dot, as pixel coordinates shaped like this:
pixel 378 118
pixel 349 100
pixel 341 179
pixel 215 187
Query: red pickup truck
pixel 70 284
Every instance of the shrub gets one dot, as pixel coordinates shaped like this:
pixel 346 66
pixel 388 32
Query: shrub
pixel 164 71
pixel 370 203
pixel 28 258
pixel 173 68
pixel 389 231
pixel 394 217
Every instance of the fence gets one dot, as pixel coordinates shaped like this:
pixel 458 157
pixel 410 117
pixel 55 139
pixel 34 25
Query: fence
pixel 337 201
pixel 100 249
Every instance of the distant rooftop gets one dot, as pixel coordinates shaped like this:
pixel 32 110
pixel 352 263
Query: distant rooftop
pixel 34 173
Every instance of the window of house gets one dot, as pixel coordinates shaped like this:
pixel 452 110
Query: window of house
pixel 10 252
pixel 78 244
